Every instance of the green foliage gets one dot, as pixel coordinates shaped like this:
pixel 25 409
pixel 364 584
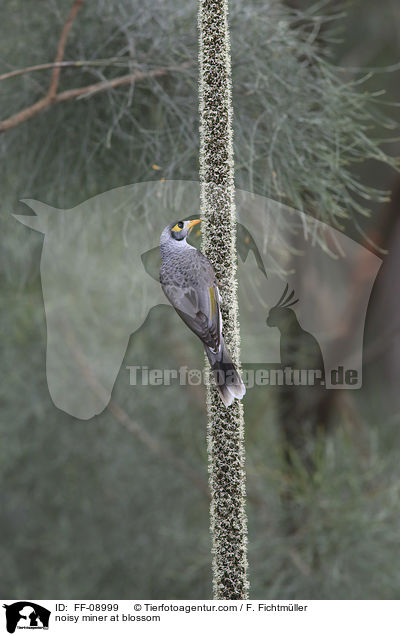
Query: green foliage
pixel 298 126
pixel 347 516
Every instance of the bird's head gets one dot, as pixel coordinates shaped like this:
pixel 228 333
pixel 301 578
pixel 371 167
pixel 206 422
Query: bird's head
pixel 178 231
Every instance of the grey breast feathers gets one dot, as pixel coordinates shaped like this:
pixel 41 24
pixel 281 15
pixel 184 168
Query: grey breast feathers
pixel 188 281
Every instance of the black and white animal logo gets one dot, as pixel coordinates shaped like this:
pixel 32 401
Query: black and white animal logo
pixel 25 614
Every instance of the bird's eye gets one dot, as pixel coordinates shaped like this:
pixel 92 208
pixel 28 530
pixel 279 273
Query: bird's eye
pixel 178 227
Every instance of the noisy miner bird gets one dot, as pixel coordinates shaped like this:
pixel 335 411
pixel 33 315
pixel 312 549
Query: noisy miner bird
pixel 188 281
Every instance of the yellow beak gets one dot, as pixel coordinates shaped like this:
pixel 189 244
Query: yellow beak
pixel 193 223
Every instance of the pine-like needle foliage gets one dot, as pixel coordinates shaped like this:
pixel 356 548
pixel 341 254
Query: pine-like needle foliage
pixel 298 126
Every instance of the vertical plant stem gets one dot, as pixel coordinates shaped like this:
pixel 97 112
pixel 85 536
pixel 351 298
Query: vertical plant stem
pixel 225 425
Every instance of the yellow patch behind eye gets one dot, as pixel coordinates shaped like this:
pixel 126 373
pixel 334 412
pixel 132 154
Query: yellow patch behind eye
pixel 176 228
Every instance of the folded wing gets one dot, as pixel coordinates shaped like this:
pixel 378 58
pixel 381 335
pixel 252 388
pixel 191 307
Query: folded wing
pixel 200 310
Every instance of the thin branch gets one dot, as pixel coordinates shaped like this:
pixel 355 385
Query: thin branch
pixel 61 48
pixel 24 114
pixel 66 64
pixel 99 87
pixel 85 91
pixel 52 97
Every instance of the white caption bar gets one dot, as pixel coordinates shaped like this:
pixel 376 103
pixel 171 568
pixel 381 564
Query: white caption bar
pixel 80 618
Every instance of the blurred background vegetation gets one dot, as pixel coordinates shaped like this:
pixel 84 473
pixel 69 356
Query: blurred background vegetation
pixel 117 506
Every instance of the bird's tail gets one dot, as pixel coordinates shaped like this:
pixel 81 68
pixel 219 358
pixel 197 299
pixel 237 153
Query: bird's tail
pixel 227 378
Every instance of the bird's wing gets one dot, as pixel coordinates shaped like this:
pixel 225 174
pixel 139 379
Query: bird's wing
pixel 200 310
